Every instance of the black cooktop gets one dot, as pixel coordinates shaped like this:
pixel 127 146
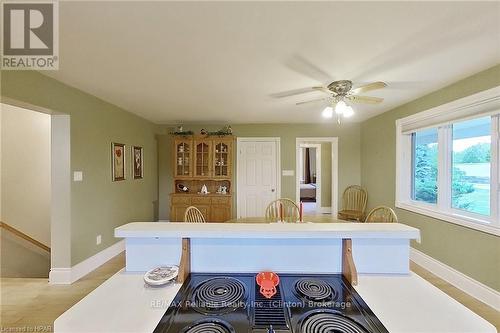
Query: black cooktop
pixel 303 303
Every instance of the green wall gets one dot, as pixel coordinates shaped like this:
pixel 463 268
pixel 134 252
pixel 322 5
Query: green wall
pixel 349 154
pixel 472 252
pixel 97 204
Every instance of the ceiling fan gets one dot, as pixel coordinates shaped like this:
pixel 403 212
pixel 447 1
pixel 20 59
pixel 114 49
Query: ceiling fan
pixel 340 92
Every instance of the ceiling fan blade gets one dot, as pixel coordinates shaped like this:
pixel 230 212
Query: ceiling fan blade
pixel 303 66
pixel 369 87
pixel 365 99
pixel 324 89
pixel 294 92
pixel 312 101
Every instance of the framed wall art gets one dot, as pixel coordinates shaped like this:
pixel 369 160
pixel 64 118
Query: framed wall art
pixel 118 161
pixel 137 162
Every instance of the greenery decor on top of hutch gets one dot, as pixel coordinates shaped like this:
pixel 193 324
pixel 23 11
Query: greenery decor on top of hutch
pixel 201 160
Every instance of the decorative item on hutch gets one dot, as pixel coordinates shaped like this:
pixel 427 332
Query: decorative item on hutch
pixel 182 188
pixel 204 189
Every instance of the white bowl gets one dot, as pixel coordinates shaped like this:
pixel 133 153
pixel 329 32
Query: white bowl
pixel 161 275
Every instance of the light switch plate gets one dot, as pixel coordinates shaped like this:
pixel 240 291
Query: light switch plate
pixel 78 176
pixel 287 172
pixel 98 240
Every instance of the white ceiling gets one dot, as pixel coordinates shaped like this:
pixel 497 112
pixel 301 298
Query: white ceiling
pixel 228 61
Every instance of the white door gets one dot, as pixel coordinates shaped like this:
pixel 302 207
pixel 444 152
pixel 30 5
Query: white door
pixel 256 176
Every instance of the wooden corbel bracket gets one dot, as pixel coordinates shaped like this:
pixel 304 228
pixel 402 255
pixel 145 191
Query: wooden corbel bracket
pixel 185 263
pixel 348 266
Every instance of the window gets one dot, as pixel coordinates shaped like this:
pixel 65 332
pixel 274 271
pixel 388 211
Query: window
pixel 448 162
pixel 424 166
pixel 471 167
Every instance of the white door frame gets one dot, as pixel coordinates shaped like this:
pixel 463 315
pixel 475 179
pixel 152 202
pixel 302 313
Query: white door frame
pixel 318 173
pixel 239 140
pixel 335 166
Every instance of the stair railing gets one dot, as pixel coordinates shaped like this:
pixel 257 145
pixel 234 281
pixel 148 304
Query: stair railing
pixel 22 235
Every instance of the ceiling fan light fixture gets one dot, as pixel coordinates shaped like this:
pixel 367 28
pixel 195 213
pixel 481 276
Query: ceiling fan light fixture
pixel 348 112
pixel 327 112
pixel 340 107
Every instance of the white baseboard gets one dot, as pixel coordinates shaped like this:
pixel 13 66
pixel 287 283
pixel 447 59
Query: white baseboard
pixel 70 275
pixel 463 282
pixel 60 276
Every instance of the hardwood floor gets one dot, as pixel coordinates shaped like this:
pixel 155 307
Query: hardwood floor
pixel 309 208
pixel 33 305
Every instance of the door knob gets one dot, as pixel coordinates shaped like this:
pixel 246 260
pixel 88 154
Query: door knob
pixel 273 190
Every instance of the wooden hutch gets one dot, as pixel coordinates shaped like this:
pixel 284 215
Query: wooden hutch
pixel 202 160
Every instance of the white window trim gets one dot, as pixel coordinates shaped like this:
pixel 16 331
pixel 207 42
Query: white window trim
pixel 489 100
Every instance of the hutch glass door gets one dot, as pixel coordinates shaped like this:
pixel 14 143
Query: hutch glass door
pixel 202 159
pixel 183 158
pixel 222 159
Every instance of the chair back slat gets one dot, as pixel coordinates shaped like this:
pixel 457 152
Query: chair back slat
pixel 286 207
pixel 382 214
pixel 193 215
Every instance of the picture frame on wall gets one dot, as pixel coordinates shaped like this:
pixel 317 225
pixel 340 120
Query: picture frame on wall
pixel 137 162
pixel 118 161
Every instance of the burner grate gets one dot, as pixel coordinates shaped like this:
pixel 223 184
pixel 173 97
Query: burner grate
pixel 219 295
pixel 209 326
pixel 314 289
pixel 330 322
pixel 269 312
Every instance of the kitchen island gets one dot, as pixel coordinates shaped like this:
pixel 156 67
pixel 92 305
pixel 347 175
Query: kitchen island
pixel 282 247
pixel 401 300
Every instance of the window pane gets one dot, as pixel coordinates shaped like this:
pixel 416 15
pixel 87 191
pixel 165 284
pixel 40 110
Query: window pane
pixel 471 165
pixel 425 156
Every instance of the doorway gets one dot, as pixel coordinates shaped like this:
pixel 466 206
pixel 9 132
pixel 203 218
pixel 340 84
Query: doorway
pixel 25 182
pixel 317 174
pixel 310 177
pixel 58 242
pixel 258 175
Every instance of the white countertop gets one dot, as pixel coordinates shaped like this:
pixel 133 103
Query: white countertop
pixel 402 303
pixel 410 304
pixel 122 304
pixel 268 230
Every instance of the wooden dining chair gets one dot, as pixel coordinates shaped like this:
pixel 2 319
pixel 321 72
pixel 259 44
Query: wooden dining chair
pixel 354 201
pixel 283 209
pixel 193 215
pixel 382 214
